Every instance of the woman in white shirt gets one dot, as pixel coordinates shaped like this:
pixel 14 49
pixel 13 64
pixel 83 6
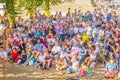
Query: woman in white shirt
pixel 75 29
pixel 55 50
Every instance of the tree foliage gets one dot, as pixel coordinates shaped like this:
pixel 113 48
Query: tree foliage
pixel 10 7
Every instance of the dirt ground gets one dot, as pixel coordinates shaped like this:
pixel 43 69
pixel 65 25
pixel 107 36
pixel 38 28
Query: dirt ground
pixel 18 72
pixel 82 5
pixel 31 73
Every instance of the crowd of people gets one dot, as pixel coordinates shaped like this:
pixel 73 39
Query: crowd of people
pixel 74 43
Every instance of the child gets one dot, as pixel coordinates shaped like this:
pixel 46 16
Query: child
pixel 47 61
pixel 111 69
pixel 30 59
pixel 40 59
pixel 84 70
pixel 61 63
pixel 22 58
pixel 14 55
pixel 74 67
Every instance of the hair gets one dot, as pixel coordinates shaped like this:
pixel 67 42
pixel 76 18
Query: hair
pixel 93 46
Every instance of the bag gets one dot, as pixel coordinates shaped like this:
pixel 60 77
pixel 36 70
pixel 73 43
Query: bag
pixel 90 74
pixel 82 72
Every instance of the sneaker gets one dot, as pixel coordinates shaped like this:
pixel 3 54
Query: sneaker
pixel 23 65
pixel 47 69
pixel 43 68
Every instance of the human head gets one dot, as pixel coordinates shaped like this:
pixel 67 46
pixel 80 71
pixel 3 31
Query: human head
pixel 112 61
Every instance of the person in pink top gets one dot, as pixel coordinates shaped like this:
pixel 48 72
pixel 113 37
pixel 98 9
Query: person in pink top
pixel 74 51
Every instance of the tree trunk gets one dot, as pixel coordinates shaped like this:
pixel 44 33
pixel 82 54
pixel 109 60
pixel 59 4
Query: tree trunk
pixel 31 14
pixel 92 1
pixel 11 21
pixel 47 8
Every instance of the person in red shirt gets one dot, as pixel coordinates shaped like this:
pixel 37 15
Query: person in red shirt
pixel 14 55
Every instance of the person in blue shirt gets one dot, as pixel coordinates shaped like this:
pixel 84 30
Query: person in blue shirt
pixel 38 46
pixel 109 16
pixel 38 34
pixel 73 39
pixel 86 17
pixel 111 68
pixel 82 54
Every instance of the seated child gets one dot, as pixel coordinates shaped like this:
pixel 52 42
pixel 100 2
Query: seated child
pixel 74 67
pixel 22 58
pixel 92 56
pixel 30 59
pixel 47 61
pixel 111 69
pixel 83 70
pixel 14 55
pixel 3 54
pixel 40 59
pixel 61 63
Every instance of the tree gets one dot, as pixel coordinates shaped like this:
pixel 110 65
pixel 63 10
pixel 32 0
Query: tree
pixel 30 6
pixel 11 10
pixel 47 3
pixel 92 2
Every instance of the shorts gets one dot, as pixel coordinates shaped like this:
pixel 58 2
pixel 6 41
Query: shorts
pixel 93 57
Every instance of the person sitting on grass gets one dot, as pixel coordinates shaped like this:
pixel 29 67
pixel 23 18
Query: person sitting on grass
pixel 56 50
pixel 74 67
pixel 111 69
pixel 40 59
pixel 83 70
pixel 92 57
pixel 30 59
pixel 3 54
pixel 82 55
pixel 22 58
pixel 47 61
pixel 14 55
pixel 61 63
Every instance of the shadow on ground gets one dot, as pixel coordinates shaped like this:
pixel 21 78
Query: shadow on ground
pixel 31 73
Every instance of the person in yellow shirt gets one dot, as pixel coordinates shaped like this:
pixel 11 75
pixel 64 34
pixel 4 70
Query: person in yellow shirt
pixel 85 37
